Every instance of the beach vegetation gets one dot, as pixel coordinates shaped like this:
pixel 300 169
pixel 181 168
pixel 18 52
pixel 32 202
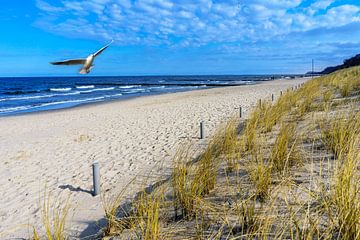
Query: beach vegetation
pixel 340 132
pixel 285 152
pixel 260 175
pixel 54 219
pixel 146 210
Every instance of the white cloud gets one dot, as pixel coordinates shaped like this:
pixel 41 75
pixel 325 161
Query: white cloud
pixel 189 22
pixel 319 5
pixel 46 7
pixel 342 15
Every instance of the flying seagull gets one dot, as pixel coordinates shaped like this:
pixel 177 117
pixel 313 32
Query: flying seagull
pixel 86 62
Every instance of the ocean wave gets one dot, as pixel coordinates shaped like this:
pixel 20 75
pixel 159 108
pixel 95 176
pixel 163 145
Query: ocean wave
pixel 136 91
pixel 98 89
pixel 26 98
pixel 28 107
pixel 129 86
pixel 70 101
pixel 250 82
pixel 13 109
pixel 37 97
pixel 113 95
pixel 159 87
pixel 181 87
pixel 85 87
pixel 19 92
pixel 67 94
pixel 60 89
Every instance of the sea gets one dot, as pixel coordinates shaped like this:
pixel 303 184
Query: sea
pixel 22 95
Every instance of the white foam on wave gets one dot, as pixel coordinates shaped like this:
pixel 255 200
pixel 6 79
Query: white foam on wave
pixel 114 95
pixel 129 86
pixel 160 87
pixel 71 101
pixel 27 107
pixel 60 89
pixel 37 96
pixel 135 91
pixel 67 94
pixel 98 89
pixel 85 87
pixel 250 82
pixel 181 87
pixel 80 100
pixel 26 98
pixel 13 109
pixel 241 82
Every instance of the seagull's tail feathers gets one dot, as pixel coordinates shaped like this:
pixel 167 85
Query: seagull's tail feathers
pixel 84 71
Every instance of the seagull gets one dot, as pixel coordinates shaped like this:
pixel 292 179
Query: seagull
pixel 86 62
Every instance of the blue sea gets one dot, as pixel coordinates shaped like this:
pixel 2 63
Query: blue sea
pixel 33 94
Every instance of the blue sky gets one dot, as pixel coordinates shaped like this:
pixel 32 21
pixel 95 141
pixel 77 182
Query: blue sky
pixel 154 37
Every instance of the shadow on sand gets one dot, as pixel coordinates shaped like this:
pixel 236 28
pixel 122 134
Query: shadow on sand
pixel 75 189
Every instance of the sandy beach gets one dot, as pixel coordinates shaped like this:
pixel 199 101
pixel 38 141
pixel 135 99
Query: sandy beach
pixel 55 149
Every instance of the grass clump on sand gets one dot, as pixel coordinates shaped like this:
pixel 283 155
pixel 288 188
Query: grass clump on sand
pixel 54 217
pixel 231 147
pixel 260 175
pixel 186 193
pixel 191 183
pixel 111 206
pixel 248 222
pixel 147 216
pixel 345 81
pixel 341 135
pixel 285 152
pixel 250 132
pixel 345 195
pixel 340 132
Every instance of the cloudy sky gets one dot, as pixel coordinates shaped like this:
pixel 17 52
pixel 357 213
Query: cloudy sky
pixel 154 37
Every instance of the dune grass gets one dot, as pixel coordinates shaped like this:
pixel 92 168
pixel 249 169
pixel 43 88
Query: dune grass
pixel 54 219
pixel 232 148
pixel 186 191
pixel 260 175
pixel 285 152
pixel 112 206
pixel 345 195
pixel 191 183
pixel 147 217
pixel 339 132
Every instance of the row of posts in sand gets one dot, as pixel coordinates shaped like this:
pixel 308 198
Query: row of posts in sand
pixel 96 166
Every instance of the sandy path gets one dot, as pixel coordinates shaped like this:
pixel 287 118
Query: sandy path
pixel 56 149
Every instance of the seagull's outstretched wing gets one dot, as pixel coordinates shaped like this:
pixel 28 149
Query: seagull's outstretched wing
pixel 102 49
pixel 70 62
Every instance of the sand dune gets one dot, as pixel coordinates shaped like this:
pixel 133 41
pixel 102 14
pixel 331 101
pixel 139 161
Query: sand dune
pixel 56 149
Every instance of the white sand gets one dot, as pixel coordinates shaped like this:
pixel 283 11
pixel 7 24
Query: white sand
pixel 57 148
